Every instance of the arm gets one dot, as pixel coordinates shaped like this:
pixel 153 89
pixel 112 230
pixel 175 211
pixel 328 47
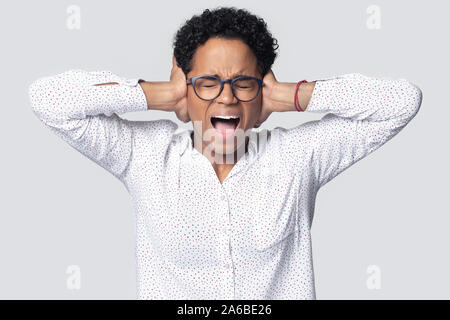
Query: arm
pixel 282 98
pixel 362 113
pixel 82 108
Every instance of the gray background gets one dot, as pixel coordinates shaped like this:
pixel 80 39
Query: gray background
pixel 391 209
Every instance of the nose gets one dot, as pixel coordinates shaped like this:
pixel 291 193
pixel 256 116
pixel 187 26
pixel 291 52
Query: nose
pixel 226 96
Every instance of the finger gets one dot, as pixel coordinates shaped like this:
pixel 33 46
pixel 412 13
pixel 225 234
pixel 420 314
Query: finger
pixel 269 78
pixel 273 75
pixel 270 75
pixel 174 63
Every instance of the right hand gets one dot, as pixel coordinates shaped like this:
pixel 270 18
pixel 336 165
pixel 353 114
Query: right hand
pixel 178 80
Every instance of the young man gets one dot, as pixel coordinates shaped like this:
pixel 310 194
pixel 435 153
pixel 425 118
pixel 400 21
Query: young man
pixel 216 218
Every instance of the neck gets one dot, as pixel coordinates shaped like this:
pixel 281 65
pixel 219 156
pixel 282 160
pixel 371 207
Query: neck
pixel 227 161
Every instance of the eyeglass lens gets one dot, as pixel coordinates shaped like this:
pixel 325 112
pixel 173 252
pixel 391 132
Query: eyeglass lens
pixel 244 88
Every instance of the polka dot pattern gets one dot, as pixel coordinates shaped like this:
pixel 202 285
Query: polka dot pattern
pixel 248 237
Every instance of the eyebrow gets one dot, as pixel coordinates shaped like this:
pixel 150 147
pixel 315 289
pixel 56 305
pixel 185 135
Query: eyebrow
pixel 235 75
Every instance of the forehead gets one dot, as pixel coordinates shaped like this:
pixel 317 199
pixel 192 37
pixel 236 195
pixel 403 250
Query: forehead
pixel 225 57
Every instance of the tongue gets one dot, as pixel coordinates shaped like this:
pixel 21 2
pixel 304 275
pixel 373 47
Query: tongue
pixel 224 125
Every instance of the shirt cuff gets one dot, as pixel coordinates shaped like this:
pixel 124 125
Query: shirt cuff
pixel 323 96
pixel 126 96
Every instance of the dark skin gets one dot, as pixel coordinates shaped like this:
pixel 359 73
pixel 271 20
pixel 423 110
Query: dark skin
pixel 226 58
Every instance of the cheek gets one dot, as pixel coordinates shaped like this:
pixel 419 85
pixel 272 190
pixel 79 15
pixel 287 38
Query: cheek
pixel 193 108
pixel 196 109
pixel 252 113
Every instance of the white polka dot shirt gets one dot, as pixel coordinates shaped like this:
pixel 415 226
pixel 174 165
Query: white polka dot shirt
pixel 249 237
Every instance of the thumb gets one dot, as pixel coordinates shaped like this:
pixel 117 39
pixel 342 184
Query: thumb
pixel 270 77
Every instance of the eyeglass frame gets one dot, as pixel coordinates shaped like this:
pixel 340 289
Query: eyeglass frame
pixel 222 81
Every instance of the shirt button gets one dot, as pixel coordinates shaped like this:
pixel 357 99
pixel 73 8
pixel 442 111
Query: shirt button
pixel 223 198
pixel 130 82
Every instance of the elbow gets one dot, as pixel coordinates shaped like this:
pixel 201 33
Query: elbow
pixel 52 97
pixel 48 94
pixel 45 99
pixel 33 94
pixel 37 95
pixel 413 98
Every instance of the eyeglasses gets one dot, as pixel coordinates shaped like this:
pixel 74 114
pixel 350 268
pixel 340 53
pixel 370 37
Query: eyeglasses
pixel 209 87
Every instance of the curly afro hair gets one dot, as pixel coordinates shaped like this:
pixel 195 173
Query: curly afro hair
pixel 226 23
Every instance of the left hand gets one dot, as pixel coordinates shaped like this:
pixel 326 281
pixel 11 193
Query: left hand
pixel 269 85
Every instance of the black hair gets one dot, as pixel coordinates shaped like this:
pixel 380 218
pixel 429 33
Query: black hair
pixel 226 23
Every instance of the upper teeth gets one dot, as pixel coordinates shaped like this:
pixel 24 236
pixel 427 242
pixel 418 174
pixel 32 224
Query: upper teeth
pixel 226 117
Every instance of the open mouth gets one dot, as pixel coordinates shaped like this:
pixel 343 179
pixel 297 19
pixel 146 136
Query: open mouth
pixel 225 125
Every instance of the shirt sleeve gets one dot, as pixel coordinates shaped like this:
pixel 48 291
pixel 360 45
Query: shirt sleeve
pixel 361 114
pixel 86 116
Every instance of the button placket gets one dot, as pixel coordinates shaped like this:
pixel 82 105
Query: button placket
pixel 225 245
pixel 225 222
pixel 222 222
